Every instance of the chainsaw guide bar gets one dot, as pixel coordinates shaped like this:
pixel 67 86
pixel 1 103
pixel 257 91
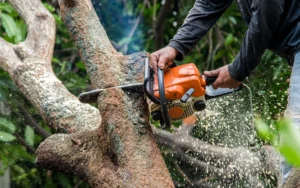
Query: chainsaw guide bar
pixel 91 96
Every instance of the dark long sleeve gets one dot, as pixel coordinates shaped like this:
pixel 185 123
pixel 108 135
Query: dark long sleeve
pixel 200 19
pixel 265 20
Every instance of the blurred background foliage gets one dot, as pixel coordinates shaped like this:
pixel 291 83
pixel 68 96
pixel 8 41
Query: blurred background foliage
pixel 131 26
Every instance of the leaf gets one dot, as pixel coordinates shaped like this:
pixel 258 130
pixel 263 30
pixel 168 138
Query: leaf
pixel 9 25
pixel 289 145
pixel 7 7
pixel 29 135
pixel 125 40
pixel 64 180
pixel 263 129
pixel 229 40
pixel 4 122
pixel 6 137
pixel 21 31
pixel 49 7
pixel 80 65
pixel 233 20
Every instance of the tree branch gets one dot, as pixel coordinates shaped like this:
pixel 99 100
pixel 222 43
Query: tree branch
pixel 59 108
pixel 97 52
pixel 24 143
pixel 82 154
pixel 32 123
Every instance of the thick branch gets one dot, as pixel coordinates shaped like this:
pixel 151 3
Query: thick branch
pixel 81 154
pixel 59 108
pixel 101 59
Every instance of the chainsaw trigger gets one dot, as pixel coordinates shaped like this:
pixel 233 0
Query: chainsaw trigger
pixel 187 95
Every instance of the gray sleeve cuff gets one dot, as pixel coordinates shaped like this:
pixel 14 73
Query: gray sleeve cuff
pixel 179 48
pixel 234 73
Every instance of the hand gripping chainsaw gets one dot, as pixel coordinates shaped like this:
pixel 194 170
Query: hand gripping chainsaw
pixel 175 94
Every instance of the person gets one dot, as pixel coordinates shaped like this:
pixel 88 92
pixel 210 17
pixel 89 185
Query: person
pixel 272 24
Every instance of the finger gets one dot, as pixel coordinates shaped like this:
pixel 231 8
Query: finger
pixel 218 83
pixel 154 62
pixel 212 73
pixel 162 63
pixel 169 64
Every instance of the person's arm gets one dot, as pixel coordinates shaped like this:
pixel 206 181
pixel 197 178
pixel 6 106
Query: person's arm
pixel 265 20
pixel 200 19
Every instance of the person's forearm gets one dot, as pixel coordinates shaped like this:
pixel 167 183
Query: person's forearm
pixel 200 19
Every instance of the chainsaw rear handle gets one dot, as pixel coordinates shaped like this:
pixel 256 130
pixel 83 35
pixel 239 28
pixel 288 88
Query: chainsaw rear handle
pixel 210 80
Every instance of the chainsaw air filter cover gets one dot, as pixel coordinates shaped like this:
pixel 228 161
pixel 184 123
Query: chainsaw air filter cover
pixel 179 80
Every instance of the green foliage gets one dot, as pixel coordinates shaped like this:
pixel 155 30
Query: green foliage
pixel 4 123
pixel 7 130
pixel 9 25
pixel 6 137
pixel 284 136
pixel 29 135
pixel 13 26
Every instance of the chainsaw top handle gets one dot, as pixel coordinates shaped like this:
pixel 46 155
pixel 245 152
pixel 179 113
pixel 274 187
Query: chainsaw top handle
pixel 165 122
pixel 148 89
pixel 148 82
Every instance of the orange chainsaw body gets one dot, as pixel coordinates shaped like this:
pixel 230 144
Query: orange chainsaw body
pixel 179 80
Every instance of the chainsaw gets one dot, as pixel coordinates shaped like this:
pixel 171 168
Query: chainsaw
pixel 175 94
